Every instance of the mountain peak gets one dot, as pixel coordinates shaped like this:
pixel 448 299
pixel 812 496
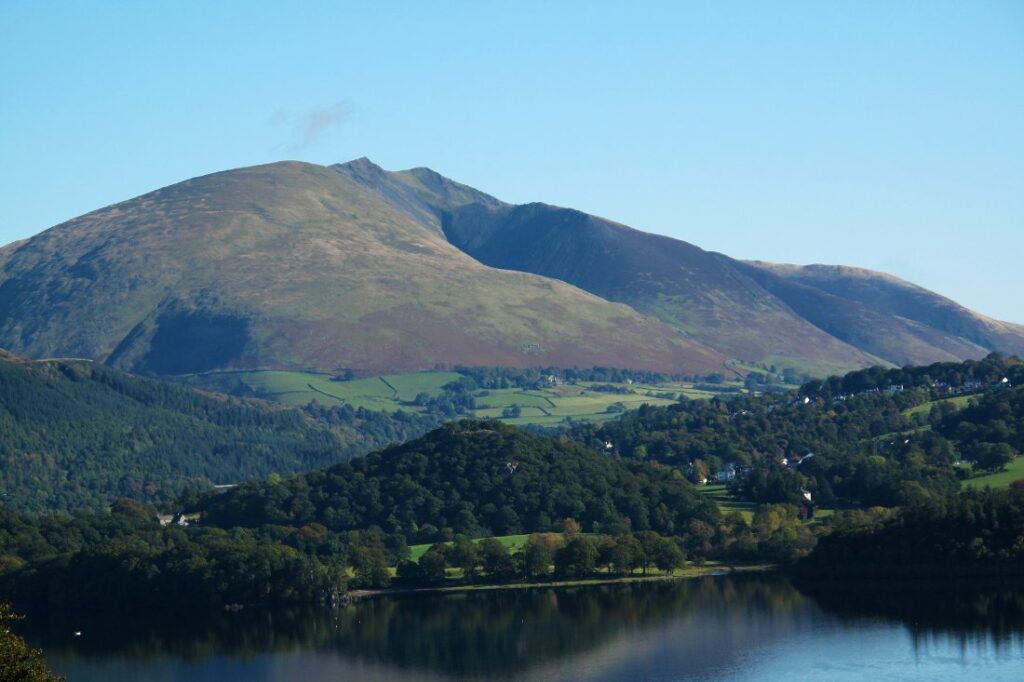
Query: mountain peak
pixel 362 166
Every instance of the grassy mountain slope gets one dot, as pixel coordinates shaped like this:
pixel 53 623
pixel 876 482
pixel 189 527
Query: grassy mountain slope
pixel 700 294
pixel 7 250
pixel 298 266
pixel 885 315
pixel 77 434
pixel 899 340
pixel 818 317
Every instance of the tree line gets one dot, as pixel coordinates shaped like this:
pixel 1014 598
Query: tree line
pixel 123 559
pixel 974 532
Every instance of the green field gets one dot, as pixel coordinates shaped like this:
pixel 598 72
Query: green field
pixel 1002 479
pixel 959 402
pixel 513 542
pixel 548 407
pixel 726 503
pixel 299 388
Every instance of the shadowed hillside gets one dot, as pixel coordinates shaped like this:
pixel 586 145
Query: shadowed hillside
pixel 78 434
pixel 700 294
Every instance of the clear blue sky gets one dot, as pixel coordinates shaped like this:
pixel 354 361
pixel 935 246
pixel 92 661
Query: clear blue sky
pixel 888 135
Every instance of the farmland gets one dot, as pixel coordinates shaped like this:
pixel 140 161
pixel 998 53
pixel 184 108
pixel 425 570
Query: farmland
pixel 1000 479
pixel 958 402
pixel 727 503
pixel 549 406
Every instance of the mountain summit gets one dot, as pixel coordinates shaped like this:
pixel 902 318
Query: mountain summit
pixel 299 266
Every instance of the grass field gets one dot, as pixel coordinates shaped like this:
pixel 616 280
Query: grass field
pixel 959 402
pixel 727 503
pixel 548 407
pixel 513 542
pixel 720 494
pixel 299 388
pixel 1003 479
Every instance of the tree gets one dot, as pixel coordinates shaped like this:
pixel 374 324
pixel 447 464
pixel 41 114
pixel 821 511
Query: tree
pixel 577 559
pixel 465 554
pixel 617 556
pixel 18 662
pixel 495 558
pixel 700 470
pixel 407 571
pixel 992 456
pixel 536 557
pixel 371 566
pixel 666 555
pixel 571 527
pixel 431 567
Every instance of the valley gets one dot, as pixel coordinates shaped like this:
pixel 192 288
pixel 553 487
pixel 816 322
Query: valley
pixel 552 404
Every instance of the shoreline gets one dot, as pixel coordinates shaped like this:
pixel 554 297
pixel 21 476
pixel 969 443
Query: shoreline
pixel 688 574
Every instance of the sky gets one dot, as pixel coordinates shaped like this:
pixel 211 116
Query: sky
pixel 887 135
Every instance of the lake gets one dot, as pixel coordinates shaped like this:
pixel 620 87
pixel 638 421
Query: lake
pixel 753 627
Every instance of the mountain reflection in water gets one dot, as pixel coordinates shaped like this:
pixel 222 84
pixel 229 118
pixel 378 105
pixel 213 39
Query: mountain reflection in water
pixel 738 627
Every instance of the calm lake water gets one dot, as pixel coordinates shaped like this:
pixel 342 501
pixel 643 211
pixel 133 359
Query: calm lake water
pixel 758 627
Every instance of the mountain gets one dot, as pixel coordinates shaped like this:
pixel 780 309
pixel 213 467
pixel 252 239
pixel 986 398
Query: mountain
pixel 885 315
pixel 77 434
pixel 818 318
pixel 703 295
pixel 298 266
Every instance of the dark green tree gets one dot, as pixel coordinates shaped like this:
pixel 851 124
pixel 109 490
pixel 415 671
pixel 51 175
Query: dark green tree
pixel 432 567
pixel 536 557
pixel 577 559
pixel 19 662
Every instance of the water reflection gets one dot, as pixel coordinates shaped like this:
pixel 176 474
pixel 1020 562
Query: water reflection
pixel 970 611
pixel 713 628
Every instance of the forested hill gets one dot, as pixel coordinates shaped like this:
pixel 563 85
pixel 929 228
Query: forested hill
pixel 77 434
pixel 474 477
pixel 874 441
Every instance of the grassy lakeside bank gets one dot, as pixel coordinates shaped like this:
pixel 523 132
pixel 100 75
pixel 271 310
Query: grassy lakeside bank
pixel 688 573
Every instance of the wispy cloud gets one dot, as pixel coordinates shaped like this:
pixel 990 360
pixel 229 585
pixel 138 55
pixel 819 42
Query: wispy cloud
pixel 310 126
